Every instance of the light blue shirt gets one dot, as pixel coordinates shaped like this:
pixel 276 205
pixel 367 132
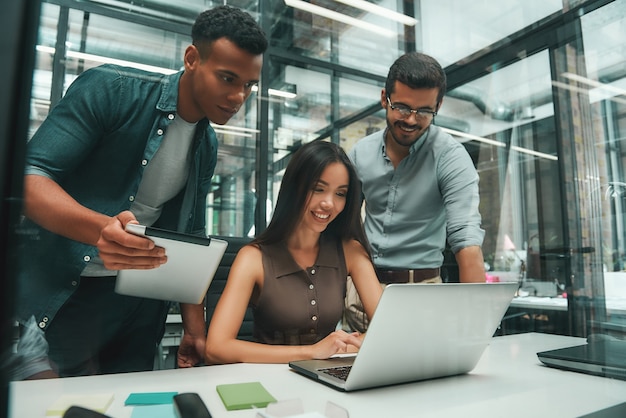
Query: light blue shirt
pixel 411 210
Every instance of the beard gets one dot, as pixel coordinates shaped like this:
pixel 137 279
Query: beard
pixel 403 137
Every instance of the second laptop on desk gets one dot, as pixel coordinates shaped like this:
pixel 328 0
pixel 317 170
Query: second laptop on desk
pixel 419 331
pixel 602 355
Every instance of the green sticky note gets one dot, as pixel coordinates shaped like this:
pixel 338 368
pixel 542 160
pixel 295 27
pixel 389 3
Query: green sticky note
pixel 244 395
pixel 150 398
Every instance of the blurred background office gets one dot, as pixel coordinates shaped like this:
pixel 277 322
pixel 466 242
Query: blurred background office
pixel 536 94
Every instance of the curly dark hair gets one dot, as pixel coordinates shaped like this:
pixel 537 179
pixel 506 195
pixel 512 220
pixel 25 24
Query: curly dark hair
pixel 231 23
pixel 418 71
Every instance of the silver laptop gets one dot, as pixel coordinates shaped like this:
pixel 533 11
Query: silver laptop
pixel 419 331
pixel 602 355
pixel 191 264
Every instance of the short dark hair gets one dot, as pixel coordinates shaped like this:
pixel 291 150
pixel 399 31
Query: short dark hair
pixel 418 71
pixel 302 174
pixel 231 23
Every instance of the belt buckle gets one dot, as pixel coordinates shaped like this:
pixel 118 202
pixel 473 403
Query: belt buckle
pixel 411 276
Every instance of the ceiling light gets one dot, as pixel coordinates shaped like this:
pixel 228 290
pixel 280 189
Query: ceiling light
pixel 108 60
pixel 474 137
pixel 381 11
pixel 280 93
pixel 339 17
pixel 535 153
pixel 235 128
pixel 500 144
pixel 584 80
pixel 277 93
pixel 586 91
pixel 230 132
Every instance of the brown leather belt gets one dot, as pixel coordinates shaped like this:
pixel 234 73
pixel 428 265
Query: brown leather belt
pixel 406 276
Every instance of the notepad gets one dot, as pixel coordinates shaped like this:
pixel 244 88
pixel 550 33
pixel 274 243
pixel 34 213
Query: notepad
pixel 150 398
pixel 95 402
pixel 154 411
pixel 244 395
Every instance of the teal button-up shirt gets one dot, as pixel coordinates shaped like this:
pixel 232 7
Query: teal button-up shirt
pixel 95 144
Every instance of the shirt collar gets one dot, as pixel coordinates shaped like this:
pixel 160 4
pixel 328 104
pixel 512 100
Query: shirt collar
pixel 413 148
pixel 169 92
pixel 328 256
pixel 420 140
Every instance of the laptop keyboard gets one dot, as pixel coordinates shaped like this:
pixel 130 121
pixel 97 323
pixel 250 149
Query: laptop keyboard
pixel 340 372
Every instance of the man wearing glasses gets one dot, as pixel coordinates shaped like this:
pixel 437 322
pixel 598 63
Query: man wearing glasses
pixel 419 184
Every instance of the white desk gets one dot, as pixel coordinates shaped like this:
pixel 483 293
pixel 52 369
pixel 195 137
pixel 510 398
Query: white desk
pixel 614 290
pixel 614 306
pixel 540 303
pixel 508 381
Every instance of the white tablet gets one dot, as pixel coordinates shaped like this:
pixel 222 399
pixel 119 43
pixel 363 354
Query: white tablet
pixel 191 264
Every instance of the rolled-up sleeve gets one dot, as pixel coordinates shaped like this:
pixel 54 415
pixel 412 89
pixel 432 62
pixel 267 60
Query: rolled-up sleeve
pixel 458 181
pixel 75 124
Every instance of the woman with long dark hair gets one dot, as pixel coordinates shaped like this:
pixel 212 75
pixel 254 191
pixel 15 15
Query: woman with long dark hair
pixel 294 273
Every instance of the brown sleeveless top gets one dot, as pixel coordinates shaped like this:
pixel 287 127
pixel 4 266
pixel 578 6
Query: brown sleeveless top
pixel 296 306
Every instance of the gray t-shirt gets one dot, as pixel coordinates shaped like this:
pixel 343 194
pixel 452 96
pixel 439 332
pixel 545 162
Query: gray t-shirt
pixel 163 178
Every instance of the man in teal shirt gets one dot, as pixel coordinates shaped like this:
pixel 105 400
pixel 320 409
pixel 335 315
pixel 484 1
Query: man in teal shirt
pixel 419 185
pixel 124 145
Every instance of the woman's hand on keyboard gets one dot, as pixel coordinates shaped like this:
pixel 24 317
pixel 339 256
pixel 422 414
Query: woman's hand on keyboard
pixel 338 342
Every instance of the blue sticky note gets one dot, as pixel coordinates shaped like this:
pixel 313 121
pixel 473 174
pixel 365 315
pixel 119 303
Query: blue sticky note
pixel 151 398
pixel 154 411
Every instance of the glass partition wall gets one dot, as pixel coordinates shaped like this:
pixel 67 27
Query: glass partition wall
pixel 536 95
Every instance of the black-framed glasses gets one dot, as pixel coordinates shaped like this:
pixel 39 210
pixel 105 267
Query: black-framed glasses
pixel 406 111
